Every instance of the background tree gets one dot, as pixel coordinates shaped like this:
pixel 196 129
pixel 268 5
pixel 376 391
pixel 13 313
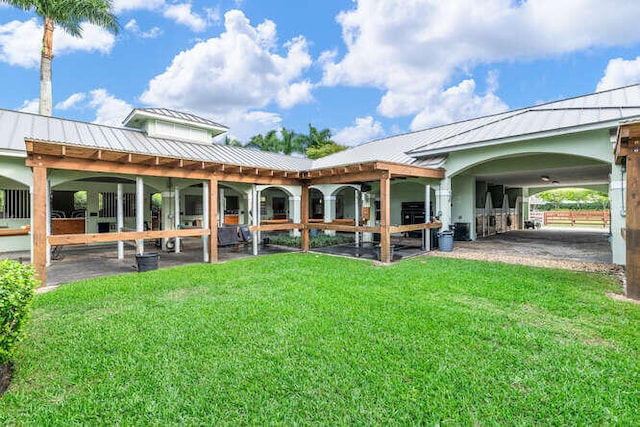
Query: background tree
pixel 69 15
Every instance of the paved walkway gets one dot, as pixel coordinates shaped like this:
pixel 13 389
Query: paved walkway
pixel 588 250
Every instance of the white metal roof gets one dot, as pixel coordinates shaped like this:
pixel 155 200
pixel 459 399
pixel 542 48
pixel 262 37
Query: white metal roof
pixel 422 148
pixel 597 110
pixel 16 126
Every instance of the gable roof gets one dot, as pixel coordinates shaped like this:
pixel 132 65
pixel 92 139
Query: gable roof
pixel 594 111
pixel 172 115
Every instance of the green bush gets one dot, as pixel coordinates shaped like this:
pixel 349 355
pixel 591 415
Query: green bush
pixel 17 286
pixel 318 241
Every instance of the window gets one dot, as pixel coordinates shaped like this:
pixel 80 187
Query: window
pixel 231 204
pixel 193 204
pixel 109 205
pixel 15 204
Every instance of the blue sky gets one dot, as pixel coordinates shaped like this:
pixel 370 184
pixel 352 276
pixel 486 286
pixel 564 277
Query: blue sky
pixel 365 69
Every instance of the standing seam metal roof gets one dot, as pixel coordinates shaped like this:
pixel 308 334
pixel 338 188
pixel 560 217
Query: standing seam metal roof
pixel 19 125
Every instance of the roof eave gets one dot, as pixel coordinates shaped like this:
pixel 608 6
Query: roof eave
pixel 416 153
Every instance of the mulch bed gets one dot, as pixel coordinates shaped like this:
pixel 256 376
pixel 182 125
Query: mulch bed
pixel 6 373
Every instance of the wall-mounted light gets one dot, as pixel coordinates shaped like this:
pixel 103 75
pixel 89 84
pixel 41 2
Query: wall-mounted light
pixel 544 178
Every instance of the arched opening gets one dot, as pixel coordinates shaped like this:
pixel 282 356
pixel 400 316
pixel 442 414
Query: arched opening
pixel 494 197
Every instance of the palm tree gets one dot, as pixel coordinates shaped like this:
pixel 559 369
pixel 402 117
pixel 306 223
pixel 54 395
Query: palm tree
pixel 68 14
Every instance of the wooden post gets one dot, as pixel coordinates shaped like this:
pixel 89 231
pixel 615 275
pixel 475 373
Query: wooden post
pixel 206 216
pixel 39 230
pixel 385 216
pixel 256 218
pixel 213 220
pixel 176 217
pixel 120 219
pixel 304 213
pixel 633 225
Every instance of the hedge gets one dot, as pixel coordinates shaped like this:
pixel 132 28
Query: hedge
pixel 17 287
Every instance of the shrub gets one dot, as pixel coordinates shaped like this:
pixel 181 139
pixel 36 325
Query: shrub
pixel 17 286
pixel 318 241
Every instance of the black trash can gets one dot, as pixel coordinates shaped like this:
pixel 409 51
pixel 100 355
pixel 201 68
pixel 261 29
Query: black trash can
pixel 147 261
pixel 445 241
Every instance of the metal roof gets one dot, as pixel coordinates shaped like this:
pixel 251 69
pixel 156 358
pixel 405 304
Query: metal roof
pixel 173 116
pixel 16 126
pixel 597 110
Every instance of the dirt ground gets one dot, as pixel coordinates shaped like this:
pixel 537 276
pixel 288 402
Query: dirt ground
pixel 571 249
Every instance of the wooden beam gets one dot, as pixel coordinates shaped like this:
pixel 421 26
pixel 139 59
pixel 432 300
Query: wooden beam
pixel 633 226
pixel 385 216
pixel 39 218
pixel 343 227
pixel 213 220
pixel 414 227
pixel 276 227
pixel 347 179
pixel 111 167
pixel 304 213
pixel 410 171
pixel 77 239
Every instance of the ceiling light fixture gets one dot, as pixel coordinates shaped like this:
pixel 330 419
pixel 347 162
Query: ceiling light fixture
pixel 555 182
pixel 544 178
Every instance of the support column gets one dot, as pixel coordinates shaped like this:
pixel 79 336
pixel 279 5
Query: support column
pixel 443 203
pixel 295 212
pixel 39 243
pixel 385 216
pixel 120 219
pixel 329 212
pixel 632 232
pixel 426 234
pixel 356 215
pixel 213 220
pixel 139 213
pixel 222 206
pixel 304 209
pixel 176 217
pixel 206 213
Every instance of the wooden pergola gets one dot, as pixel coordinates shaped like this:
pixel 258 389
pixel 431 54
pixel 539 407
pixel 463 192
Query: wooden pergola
pixel 45 155
pixel 627 153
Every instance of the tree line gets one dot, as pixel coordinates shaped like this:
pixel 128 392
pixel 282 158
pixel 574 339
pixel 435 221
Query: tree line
pixel 315 144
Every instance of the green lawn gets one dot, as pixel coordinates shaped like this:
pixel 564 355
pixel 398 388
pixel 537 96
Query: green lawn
pixel 309 339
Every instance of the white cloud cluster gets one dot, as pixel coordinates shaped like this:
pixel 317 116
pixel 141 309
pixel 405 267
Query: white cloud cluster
pixel 20 42
pixel 364 129
pixel 620 72
pixel 235 74
pixel 109 109
pixel 181 13
pixel 411 49
pixel 134 28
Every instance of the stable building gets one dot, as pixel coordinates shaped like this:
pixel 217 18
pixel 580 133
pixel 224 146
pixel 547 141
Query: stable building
pixel 476 174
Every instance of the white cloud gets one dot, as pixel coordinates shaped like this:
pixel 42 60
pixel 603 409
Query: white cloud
pixel 120 6
pixel 457 103
pixel 620 72
pixel 133 27
pixel 364 129
pixel 109 109
pixel 182 14
pixel 71 102
pixel 20 42
pixel 30 106
pixel 411 49
pixel 234 74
